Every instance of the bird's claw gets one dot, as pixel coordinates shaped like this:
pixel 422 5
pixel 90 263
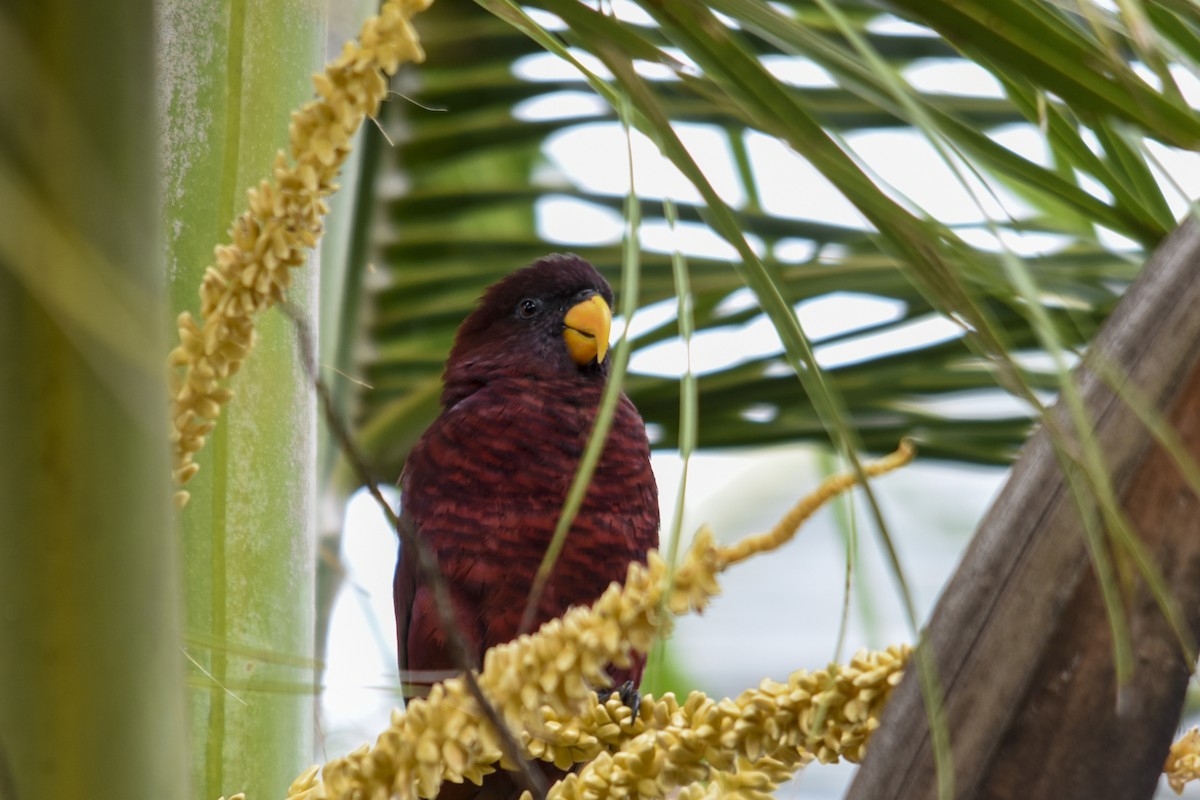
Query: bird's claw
pixel 631 698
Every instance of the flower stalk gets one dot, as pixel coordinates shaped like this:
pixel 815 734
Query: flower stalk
pixel 542 685
pixel 749 744
pixel 283 221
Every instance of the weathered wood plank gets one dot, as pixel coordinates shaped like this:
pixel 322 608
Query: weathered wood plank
pixel 998 618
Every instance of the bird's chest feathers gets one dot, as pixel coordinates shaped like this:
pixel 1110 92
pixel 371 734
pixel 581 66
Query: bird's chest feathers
pixel 492 474
pixel 520 445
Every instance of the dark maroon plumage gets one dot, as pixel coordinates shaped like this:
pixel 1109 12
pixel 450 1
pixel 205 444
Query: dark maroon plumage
pixel 485 484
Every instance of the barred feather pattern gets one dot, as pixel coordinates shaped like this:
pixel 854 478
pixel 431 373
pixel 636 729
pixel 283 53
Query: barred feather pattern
pixel 486 485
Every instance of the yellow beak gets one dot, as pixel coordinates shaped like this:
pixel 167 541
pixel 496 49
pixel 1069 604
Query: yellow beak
pixel 587 328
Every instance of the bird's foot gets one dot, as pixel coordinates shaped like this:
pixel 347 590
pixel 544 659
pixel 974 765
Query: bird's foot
pixel 631 698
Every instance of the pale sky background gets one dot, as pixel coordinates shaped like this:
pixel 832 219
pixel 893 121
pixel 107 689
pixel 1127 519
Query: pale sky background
pixel 778 613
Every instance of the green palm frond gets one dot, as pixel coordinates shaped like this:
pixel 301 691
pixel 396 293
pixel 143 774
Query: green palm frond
pixel 458 198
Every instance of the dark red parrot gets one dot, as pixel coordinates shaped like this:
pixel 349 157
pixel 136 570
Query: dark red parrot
pixel 486 483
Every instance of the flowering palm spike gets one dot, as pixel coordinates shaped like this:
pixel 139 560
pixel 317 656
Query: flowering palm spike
pixel 1183 761
pixel 284 220
pixel 750 744
pixel 541 685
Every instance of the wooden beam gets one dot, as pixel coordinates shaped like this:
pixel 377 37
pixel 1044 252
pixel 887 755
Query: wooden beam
pixel 1019 638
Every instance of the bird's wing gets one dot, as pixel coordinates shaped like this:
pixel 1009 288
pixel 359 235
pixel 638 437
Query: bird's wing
pixel 404 588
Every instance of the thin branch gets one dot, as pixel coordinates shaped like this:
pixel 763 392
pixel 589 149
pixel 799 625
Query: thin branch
pixel 527 777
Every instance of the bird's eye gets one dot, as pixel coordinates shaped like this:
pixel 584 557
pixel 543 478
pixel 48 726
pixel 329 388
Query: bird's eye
pixel 528 308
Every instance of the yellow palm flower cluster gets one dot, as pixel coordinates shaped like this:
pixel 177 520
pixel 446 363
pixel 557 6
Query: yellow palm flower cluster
pixel 541 685
pixel 603 727
pixel 830 488
pixel 747 745
pixel 445 736
pixel 751 780
pixel 283 221
pixel 1183 761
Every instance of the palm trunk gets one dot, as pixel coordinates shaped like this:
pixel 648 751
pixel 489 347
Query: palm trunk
pixel 232 71
pixel 92 700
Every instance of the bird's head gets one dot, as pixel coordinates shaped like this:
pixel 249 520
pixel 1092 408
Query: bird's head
pixel 548 320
